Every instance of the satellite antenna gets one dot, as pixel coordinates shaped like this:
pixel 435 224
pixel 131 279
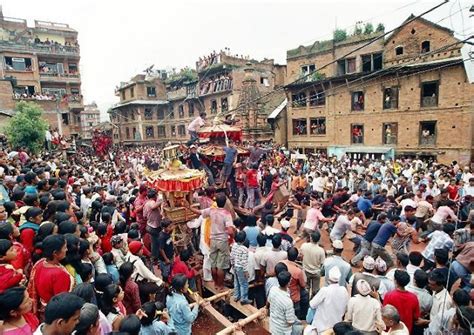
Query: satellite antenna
pixel 149 70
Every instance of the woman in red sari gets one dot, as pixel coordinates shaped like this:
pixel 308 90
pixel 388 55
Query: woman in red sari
pixel 48 276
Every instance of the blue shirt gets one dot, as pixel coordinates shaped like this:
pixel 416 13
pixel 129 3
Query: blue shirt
pixel 230 154
pixel 113 272
pixel 31 189
pixel 372 230
pixel 364 204
pixel 182 317
pixel 158 327
pixel 385 232
pixel 252 233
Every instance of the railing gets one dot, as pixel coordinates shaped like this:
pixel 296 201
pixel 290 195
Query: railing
pixel 429 101
pixel 216 86
pixel 39 48
pixel 60 76
pixel 428 140
pixel 390 104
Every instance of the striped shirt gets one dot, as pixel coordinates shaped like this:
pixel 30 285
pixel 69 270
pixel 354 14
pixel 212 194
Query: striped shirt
pixel 239 256
pixel 282 312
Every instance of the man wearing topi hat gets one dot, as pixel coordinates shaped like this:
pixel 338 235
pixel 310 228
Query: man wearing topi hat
pixel 337 260
pixel 330 303
pixel 364 311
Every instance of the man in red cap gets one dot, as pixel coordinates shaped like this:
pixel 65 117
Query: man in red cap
pixel 141 272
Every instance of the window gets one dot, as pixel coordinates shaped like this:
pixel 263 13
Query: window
pixel 350 65
pixel 58 92
pixel 161 114
pixel 132 114
pixel 399 51
pixel 181 111
pixel 357 133
pixel 18 64
pixel 123 95
pixel 151 91
pixel 132 92
pixel 300 127
pixel 264 81
pixel 372 62
pixel 161 131
pixel 191 109
pixel 317 98
pixel 149 132
pixel 318 126
pixel 429 94
pixel 390 133
pixel 181 130
pixel 135 134
pixel 171 114
pixel 298 100
pixel 307 69
pixel 425 46
pixel 72 68
pixel 390 98
pixel 345 66
pixel 127 133
pixel 224 105
pixel 427 132
pixel 357 101
pixel 65 119
pixel 173 131
pixel 148 114
pixel 213 106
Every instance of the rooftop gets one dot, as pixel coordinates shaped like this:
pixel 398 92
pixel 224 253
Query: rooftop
pixel 324 46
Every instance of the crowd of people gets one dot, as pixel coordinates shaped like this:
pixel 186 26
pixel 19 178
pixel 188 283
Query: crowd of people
pixel 355 247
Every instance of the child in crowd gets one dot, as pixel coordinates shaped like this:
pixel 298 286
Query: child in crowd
pixel 239 260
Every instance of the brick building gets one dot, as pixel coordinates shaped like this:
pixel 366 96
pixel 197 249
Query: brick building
pixel 405 95
pixel 90 118
pixel 220 85
pixel 138 117
pixel 41 64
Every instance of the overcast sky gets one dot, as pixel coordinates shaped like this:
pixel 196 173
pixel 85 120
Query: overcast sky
pixel 121 38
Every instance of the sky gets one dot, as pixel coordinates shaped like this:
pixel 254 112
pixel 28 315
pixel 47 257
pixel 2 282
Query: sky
pixel 120 38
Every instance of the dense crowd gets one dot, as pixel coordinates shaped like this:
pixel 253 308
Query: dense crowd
pixel 359 247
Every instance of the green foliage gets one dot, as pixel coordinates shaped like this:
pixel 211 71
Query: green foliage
pixel 380 28
pixel 368 28
pixel 26 128
pixel 358 29
pixel 339 35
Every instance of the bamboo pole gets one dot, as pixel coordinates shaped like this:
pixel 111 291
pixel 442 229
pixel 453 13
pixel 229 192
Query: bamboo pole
pixel 241 323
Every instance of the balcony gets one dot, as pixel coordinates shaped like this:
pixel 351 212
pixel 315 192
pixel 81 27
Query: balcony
pixel 180 93
pixel 75 102
pixel 52 77
pixel 41 49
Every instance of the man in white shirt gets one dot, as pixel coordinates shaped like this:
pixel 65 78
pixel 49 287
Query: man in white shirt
pixel 330 303
pixel 195 125
pixel 441 298
pixel 469 187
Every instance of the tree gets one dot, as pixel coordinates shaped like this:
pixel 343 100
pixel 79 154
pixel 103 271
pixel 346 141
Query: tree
pixel 380 28
pixel 26 128
pixel 358 29
pixel 339 35
pixel 368 28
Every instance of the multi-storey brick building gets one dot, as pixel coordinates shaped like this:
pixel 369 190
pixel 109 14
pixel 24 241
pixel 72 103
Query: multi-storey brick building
pixel 220 85
pixel 140 114
pixel 90 118
pixel 41 64
pixel 405 95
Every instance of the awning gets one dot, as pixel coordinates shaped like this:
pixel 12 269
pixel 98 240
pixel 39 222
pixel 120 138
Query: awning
pixel 367 150
pixel 277 111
